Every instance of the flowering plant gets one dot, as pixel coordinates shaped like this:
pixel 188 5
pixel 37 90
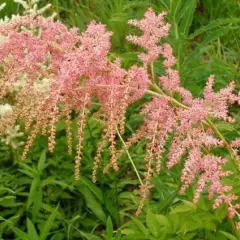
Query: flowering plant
pixel 49 72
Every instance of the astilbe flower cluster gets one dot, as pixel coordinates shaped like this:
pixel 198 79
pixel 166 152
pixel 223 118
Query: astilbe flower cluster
pixel 49 72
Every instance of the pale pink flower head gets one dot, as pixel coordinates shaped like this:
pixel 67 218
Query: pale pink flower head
pixel 167 53
pixel 217 103
pixel 153 28
pixel 95 45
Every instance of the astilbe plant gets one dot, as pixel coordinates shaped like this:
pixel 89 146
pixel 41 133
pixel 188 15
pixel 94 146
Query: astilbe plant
pixel 49 71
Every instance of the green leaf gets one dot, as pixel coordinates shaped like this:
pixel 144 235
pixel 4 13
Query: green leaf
pixel 213 24
pixel 228 235
pixel 33 190
pixel 41 162
pixel 220 213
pixel 93 204
pixel 36 204
pixel 22 235
pixel 141 226
pixel 182 208
pixel 32 232
pixel 89 236
pixel 48 225
pixel 225 127
pixel 152 224
pixel 109 229
pixel 50 181
pixel 3 189
pixel 174 8
pixel 49 208
pixel 165 4
pixel 187 13
pixel 111 207
pixel 210 38
pixel 133 234
pixel 134 4
pixel 163 221
pixel 92 187
pixel 28 173
pixel 7 201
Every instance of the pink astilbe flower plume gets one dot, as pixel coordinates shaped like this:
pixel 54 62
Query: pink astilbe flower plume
pixel 46 65
pixel 192 136
pixel 153 28
pixel 171 80
pixel 160 122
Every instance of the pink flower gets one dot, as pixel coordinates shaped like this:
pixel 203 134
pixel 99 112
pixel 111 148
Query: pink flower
pixel 153 28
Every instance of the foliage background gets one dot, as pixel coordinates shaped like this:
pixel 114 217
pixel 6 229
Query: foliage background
pixel 39 198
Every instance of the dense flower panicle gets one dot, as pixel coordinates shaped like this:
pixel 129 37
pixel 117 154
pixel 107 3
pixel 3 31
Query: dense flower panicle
pixel 171 80
pixel 96 45
pixel 121 89
pixel 193 115
pixel 189 135
pixel 49 72
pixel 170 60
pixel 217 103
pixel 153 28
pixel 13 137
pixel 46 65
pixel 236 143
pixel 5 109
pixel 209 171
pixel 31 7
pixel 160 121
pixel 194 138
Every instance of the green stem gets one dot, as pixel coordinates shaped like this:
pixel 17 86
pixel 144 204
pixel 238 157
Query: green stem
pixel 219 134
pixel 152 73
pixel 156 88
pixel 130 158
pixel 173 100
